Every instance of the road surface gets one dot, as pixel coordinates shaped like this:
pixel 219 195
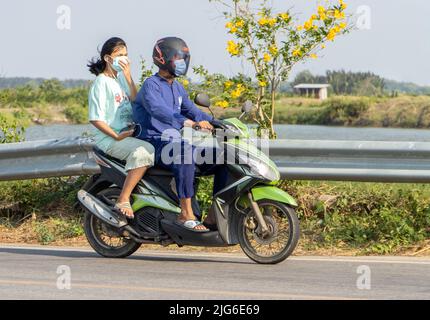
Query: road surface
pixel 44 273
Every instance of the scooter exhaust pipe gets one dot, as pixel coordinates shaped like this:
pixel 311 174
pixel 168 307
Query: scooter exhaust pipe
pixel 101 210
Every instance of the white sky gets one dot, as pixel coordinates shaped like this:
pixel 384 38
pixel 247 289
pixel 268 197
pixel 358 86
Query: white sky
pixel 396 47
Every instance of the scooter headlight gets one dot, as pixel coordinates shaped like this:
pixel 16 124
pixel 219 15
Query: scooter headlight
pixel 263 167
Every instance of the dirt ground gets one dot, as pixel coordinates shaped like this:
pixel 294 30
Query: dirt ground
pixel 26 235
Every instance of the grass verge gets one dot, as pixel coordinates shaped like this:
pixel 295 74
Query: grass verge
pixel 336 217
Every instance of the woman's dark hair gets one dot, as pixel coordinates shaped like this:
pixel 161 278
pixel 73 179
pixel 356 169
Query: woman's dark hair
pixel 98 65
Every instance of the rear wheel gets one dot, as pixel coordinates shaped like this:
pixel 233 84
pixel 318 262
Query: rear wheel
pixel 105 239
pixel 281 239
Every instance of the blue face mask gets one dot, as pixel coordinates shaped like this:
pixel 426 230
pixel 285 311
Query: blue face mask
pixel 180 67
pixel 115 64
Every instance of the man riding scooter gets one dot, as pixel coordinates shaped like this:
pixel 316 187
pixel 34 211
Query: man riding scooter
pixel 163 106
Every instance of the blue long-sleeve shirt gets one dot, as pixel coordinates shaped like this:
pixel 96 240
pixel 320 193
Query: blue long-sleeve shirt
pixel 160 106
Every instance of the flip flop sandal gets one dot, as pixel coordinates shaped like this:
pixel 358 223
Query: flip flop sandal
pixel 125 205
pixel 191 225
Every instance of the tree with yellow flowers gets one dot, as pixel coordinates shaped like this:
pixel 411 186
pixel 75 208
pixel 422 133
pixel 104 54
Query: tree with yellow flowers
pixel 275 42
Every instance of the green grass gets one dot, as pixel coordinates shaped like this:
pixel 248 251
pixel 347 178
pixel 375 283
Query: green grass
pixel 371 218
pixel 368 218
pixel 56 229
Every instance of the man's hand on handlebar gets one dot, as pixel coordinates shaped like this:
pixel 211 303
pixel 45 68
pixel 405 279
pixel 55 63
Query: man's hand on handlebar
pixel 203 125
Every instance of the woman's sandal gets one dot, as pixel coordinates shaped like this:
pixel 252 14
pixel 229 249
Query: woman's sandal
pixel 123 205
pixel 191 225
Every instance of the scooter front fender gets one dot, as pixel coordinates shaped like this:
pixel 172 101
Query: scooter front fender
pixel 269 193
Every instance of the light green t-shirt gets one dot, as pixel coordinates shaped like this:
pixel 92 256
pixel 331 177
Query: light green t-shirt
pixel 109 101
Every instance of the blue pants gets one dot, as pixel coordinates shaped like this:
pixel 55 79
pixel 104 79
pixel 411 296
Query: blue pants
pixel 183 166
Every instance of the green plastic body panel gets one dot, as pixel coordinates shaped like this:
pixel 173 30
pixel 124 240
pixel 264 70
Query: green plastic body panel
pixel 144 200
pixel 269 193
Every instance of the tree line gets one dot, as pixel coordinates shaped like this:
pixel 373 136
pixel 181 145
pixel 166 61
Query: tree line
pixel 50 91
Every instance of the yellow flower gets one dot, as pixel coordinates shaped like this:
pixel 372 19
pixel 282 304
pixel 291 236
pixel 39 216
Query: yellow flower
pixel 332 34
pixel 228 84
pixel 313 56
pixel 339 14
pixel 185 82
pixel 343 4
pixel 342 25
pixel 271 22
pixel 299 28
pixel 233 48
pixel 314 17
pixel 238 92
pixel 240 24
pixel 323 46
pixel 263 21
pixel 222 104
pixel 337 29
pixel 267 57
pixel 297 53
pixel 308 24
pixel 322 13
pixel 273 50
pixel 284 16
pixel 233 27
pixel 323 17
pixel 262 83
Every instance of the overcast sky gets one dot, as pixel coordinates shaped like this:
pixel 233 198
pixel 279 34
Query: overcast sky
pixel 397 46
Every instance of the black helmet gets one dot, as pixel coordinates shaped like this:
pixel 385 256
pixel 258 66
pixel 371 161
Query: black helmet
pixel 167 51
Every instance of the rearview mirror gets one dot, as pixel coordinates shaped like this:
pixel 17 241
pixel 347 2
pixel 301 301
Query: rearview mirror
pixel 247 106
pixel 203 100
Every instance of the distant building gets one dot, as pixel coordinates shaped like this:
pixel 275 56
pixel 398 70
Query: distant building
pixel 318 91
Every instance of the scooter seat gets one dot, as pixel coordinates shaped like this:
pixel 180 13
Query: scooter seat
pixel 153 171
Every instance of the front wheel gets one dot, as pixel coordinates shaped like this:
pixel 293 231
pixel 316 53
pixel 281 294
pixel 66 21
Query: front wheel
pixel 279 242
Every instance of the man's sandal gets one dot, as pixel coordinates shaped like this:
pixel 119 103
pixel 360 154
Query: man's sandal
pixel 211 226
pixel 124 205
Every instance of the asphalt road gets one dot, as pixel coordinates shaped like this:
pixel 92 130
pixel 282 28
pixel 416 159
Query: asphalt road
pixel 43 273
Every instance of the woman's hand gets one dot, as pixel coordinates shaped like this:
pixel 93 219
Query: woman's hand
pixel 125 68
pixel 127 74
pixel 124 134
pixel 106 129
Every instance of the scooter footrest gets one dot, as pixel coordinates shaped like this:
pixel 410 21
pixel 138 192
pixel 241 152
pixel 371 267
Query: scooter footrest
pixel 183 236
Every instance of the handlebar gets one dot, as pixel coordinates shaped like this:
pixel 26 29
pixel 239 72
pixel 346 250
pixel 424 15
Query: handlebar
pixel 217 124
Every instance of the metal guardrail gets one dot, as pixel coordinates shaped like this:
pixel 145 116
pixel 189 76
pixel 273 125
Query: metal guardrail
pixel 47 158
pixel 367 161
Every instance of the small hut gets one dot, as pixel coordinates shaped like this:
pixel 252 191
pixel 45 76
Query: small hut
pixel 318 91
